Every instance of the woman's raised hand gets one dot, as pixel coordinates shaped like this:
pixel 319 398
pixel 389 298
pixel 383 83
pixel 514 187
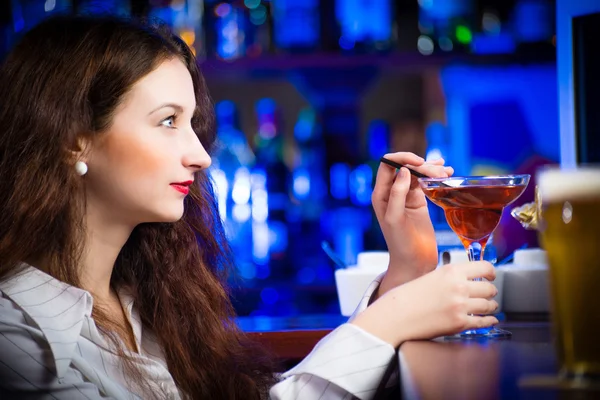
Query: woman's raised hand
pixel 401 209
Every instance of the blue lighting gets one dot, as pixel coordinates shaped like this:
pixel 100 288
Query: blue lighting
pixel 230 33
pixel 241 212
pixel 258 16
pixel 363 21
pixel 221 190
pixel 345 43
pixel 247 270
pixel 265 106
pixel 240 192
pixel 263 271
pixel 301 184
pixel 445 9
pixel 306 275
pixel 361 180
pixel 296 23
pixel 348 229
pixel 502 43
pixel 278 236
pixel 225 111
pixel 305 125
pixel 260 243
pixel 533 20
pixel 269 295
pixel 338 176
pixel 378 139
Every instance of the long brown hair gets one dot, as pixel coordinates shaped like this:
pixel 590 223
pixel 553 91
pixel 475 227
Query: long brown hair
pixel 61 82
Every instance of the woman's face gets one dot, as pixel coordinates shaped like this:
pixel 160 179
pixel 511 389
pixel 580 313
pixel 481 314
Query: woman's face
pixel 134 168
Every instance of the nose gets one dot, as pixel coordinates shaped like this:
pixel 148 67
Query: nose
pixel 195 156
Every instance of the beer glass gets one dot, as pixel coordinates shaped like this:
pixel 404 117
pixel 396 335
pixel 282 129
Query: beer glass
pixel 473 207
pixel 570 234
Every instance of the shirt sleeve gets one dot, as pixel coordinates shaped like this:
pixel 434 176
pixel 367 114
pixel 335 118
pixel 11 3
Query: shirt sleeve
pixel 26 364
pixel 348 363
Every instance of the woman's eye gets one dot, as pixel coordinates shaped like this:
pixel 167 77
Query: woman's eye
pixel 168 122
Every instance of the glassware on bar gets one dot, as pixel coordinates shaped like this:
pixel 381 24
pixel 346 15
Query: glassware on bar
pixel 473 207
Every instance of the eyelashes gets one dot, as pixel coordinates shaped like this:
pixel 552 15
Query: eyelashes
pixel 169 120
pixel 172 120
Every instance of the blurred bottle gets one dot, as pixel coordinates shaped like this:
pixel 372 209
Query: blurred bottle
pixel 445 25
pixel 296 25
pixel 308 185
pixel 226 24
pixel 236 28
pixel 260 29
pixel 365 25
pixel 231 173
pixel 268 147
pixel 185 17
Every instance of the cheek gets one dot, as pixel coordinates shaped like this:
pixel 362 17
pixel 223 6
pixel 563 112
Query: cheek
pixel 135 158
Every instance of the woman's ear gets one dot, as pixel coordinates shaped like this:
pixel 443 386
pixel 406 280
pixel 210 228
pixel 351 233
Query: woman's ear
pixel 80 150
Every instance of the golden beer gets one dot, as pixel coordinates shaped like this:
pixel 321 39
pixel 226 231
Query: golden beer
pixel 570 233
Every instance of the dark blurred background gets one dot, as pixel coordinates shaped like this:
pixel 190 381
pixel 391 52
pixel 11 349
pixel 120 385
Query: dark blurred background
pixel 309 94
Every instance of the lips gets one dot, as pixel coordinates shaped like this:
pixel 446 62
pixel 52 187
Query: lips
pixel 182 187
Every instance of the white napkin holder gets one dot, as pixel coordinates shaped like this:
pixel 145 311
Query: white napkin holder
pixel 352 282
pixel 526 287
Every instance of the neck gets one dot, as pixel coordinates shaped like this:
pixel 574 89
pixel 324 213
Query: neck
pixel 104 240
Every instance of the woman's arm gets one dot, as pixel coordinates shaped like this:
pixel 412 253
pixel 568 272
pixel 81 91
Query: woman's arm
pixel 347 362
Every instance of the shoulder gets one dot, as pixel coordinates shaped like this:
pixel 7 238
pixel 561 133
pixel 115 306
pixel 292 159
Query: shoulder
pixel 15 327
pixel 41 320
pixel 22 343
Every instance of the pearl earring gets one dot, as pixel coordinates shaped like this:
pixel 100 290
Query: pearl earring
pixel 81 168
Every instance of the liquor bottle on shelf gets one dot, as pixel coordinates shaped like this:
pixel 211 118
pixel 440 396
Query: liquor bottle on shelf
pixel 268 147
pixel 365 26
pixel 235 28
pixel 296 25
pixel 231 169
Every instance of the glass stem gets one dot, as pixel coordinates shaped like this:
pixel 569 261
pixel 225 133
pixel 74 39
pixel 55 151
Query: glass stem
pixel 475 251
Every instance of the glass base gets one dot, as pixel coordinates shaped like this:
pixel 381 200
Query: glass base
pixel 482 333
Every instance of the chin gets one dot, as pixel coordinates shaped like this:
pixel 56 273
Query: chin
pixel 173 217
pixel 168 216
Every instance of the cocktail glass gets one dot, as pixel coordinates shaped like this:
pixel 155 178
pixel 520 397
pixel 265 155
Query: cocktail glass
pixel 473 207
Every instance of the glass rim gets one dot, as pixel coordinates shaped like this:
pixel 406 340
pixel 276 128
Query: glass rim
pixel 475 178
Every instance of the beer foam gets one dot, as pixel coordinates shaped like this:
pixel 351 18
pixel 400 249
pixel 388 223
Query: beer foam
pixel 560 185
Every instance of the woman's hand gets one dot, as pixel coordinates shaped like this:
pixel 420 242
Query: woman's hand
pixel 438 303
pixel 401 209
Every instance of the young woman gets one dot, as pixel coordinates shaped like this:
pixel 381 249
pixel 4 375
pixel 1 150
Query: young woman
pixel 112 254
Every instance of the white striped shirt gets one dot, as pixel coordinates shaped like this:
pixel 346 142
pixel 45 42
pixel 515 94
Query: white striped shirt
pixel 50 348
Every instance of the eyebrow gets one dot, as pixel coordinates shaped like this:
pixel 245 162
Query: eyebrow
pixel 177 108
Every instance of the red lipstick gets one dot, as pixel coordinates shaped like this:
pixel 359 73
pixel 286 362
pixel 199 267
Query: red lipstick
pixel 182 187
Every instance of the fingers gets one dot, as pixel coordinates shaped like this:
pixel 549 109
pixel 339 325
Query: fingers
pixel 476 321
pixel 405 158
pixel 478 269
pixel 386 176
pixel 431 169
pixel 397 199
pixel 482 289
pixel 481 306
pixel 440 161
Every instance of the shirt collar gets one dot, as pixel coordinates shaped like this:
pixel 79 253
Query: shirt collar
pixel 57 308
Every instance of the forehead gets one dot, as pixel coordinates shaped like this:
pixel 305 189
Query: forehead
pixel 170 82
